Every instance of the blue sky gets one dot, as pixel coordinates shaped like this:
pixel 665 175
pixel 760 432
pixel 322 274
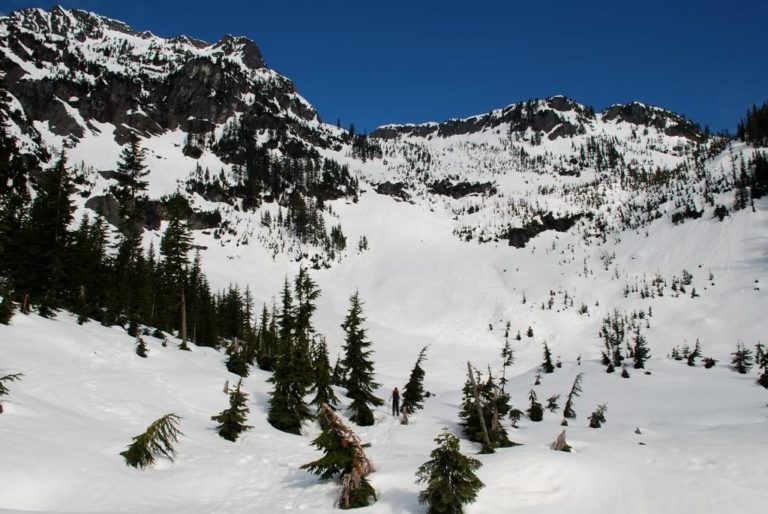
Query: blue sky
pixel 371 63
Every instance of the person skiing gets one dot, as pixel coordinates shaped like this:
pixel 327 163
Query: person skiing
pixel 395 402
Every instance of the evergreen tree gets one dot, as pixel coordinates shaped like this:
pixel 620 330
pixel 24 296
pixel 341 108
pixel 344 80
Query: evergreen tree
pixel 576 391
pixel 287 321
pixel 6 302
pixel 339 373
pixel 597 418
pixel 343 457
pixel 323 381
pixel 507 358
pixel 613 332
pixel 357 362
pixel 413 392
pixel 742 359
pixel 307 293
pixel 640 351
pixel 494 406
pixel 449 477
pixel 174 249
pixel 232 420
pixel 547 364
pixel 50 216
pixel 529 333
pixel 130 178
pixel 141 347
pixel 535 411
pixel 761 359
pixel 267 341
pixel 7 379
pixel 695 354
pixel 14 204
pixel 287 409
pixel 552 405
pixel 156 441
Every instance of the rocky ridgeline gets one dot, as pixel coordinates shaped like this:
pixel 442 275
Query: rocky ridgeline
pixel 73 68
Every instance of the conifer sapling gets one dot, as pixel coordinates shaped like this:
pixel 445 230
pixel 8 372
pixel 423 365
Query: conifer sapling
pixel 535 411
pixel 449 476
pixel 547 364
pixel 552 405
pixel 413 392
pixel 597 418
pixel 640 351
pixel 232 420
pixel 742 359
pixel 15 377
pixel 156 441
pixel 568 412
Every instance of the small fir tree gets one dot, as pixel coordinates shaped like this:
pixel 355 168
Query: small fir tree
pixel 507 358
pixel 529 333
pixel 762 364
pixel 449 476
pixel 344 457
pixel 552 405
pixel 695 354
pixel 547 364
pixel 597 418
pixel 357 362
pixel 640 351
pixel 576 391
pixel 156 441
pixel 413 392
pixel 742 359
pixel 535 411
pixel 232 420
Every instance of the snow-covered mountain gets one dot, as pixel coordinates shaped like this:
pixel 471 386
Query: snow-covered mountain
pixel 543 214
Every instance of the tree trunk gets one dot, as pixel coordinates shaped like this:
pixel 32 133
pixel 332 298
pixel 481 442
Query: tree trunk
pixel 477 405
pixel 183 321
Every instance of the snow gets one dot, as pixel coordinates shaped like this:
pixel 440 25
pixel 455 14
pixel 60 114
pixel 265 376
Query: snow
pixel 85 393
pixel 703 442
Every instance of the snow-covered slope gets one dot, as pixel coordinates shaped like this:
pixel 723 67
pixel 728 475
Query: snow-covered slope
pixel 702 449
pixel 543 214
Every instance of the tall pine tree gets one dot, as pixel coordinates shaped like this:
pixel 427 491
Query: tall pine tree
pixel 357 362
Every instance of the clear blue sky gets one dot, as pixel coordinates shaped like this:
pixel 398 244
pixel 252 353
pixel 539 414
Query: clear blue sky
pixel 394 61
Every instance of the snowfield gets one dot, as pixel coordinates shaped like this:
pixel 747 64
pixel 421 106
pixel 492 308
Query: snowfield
pixel 438 270
pixel 703 445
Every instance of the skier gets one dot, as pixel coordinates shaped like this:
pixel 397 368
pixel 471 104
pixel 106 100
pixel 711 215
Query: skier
pixel 395 402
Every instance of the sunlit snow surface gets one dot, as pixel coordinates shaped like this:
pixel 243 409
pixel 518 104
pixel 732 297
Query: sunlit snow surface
pixel 85 392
